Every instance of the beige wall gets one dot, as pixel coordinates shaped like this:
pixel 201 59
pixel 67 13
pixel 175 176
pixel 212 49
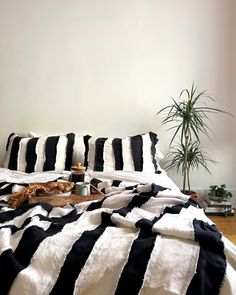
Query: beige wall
pixel 106 67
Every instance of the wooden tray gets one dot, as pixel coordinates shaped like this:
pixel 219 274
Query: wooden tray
pixel 73 199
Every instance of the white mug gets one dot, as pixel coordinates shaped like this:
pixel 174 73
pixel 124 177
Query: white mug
pixel 82 188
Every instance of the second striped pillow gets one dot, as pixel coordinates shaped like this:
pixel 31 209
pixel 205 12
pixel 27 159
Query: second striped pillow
pixel 132 153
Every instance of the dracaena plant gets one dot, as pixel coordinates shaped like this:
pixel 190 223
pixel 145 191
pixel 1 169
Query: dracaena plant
pixel 188 116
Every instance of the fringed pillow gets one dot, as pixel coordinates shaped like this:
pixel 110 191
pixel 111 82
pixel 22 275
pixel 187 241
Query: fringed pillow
pixel 133 153
pixel 44 153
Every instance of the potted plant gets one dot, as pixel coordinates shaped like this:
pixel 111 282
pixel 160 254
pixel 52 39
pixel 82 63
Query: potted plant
pixel 219 193
pixel 188 116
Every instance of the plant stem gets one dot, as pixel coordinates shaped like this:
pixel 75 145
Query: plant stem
pixel 185 166
pixel 188 178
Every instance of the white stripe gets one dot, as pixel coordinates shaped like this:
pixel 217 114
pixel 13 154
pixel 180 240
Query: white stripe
pixel 175 225
pixel 61 153
pixel 103 264
pixel 8 152
pixel 78 150
pixel 91 153
pixel 115 202
pixel 60 212
pixel 21 162
pixel 40 152
pixel 229 283
pixel 108 156
pixel 148 165
pixel 171 267
pixel 5 241
pixel 127 155
pixel 23 177
pixel 157 205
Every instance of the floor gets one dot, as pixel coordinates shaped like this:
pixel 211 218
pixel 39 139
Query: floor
pixel 227 225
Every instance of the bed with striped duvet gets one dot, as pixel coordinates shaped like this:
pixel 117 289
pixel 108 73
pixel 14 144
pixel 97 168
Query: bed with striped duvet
pixel 139 239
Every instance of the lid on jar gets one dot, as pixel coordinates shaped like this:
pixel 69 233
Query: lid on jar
pixel 78 168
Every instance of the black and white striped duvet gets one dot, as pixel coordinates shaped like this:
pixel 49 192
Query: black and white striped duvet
pixel 141 240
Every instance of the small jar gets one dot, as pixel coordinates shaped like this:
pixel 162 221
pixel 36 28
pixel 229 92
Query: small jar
pixel 77 173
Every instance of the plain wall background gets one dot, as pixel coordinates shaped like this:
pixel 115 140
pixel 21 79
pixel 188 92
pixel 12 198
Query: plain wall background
pixel 106 67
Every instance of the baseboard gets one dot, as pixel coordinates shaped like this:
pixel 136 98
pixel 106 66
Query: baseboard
pixel 202 193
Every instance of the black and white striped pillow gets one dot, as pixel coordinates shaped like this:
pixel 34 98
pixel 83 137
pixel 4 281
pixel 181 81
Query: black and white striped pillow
pixel 133 153
pixel 45 153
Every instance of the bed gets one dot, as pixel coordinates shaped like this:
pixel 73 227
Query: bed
pixel 143 237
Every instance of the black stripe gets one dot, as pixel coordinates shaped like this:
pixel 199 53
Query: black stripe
pixel 14 153
pixel 75 261
pixel 7 189
pixel 69 150
pixel 177 208
pixel 211 262
pixel 50 153
pixel 86 145
pixel 99 147
pixel 131 278
pixel 96 205
pixel 116 183
pixel 146 225
pixel 8 140
pixel 154 141
pixel 30 155
pixel 137 201
pixel 155 189
pixel 69 217
pixel 95 182
pixel 131 187
pixel 136 143
pixel 106 219
pixel 9 268
pixel 117 148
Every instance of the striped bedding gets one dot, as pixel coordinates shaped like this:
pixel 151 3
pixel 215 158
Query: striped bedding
pixel 143 237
